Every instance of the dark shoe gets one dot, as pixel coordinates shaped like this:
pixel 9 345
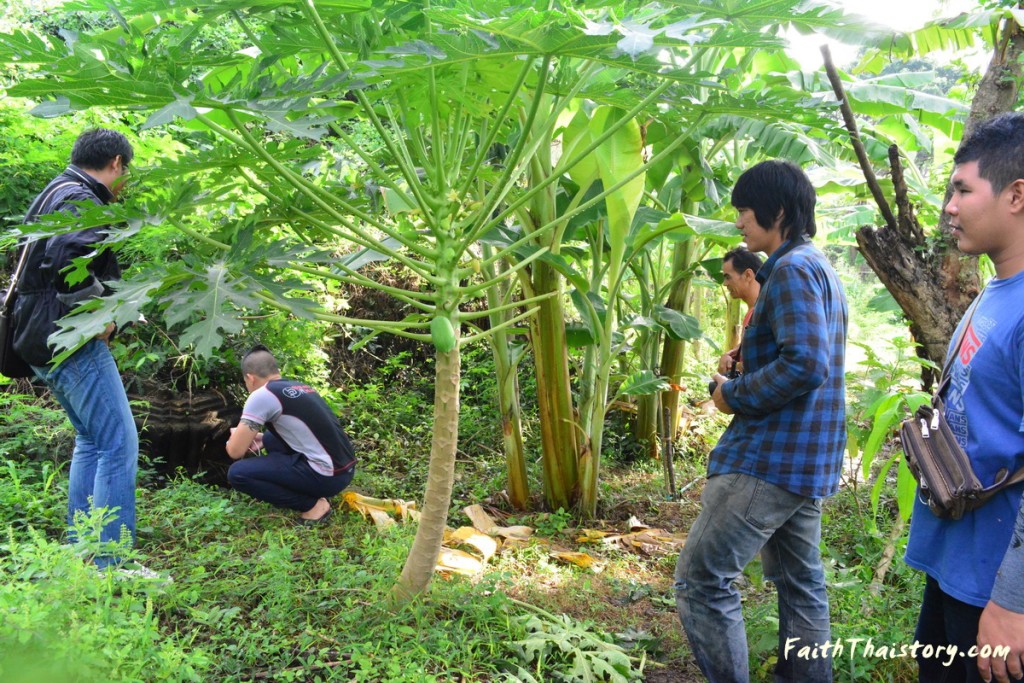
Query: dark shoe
pixel 319 520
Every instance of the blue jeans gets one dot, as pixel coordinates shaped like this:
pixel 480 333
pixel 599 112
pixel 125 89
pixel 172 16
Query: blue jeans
pixel 740 517
pixel 106 455
pixel 284 478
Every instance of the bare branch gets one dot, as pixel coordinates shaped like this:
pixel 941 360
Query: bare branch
pixel 858 145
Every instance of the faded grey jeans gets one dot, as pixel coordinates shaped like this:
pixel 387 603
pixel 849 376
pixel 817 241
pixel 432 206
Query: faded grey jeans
pixel 742 516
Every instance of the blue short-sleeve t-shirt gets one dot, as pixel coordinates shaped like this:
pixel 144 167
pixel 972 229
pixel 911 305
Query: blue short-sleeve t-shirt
pixel 985 409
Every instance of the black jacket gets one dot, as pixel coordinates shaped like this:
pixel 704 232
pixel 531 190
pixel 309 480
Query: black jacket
pixel 43 293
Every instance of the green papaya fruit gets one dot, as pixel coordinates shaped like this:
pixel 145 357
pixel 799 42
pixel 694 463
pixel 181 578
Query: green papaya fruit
pixel 442 334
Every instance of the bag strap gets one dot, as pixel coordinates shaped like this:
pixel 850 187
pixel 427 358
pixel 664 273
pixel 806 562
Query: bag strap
pixel 40 201
pixel 17 274
pixel 990 491
pixel 944 377
pixel 43 200
pixel 1017 476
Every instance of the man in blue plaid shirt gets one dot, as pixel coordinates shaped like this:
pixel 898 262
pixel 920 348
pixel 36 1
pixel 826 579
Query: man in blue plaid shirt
pixel 783 451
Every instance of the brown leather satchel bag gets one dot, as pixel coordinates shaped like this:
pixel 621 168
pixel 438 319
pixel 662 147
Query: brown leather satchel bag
pixel 943 470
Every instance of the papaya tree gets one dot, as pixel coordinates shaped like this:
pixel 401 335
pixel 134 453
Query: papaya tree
pixel 278 180
pixel 276 121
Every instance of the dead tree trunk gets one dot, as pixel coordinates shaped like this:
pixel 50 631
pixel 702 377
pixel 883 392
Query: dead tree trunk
pixel 928 277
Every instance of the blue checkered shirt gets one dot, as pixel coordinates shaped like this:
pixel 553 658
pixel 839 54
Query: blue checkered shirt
pixel 790 402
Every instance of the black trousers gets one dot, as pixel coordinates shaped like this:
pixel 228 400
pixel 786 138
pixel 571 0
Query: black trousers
pixel 945 621
pixel 284 478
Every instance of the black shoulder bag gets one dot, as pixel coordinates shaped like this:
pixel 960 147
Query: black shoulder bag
pixel 11 364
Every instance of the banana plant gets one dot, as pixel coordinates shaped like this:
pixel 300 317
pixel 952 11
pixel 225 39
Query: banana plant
pixel 506 362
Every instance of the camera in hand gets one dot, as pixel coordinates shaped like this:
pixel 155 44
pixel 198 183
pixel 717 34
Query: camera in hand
pixel 732 374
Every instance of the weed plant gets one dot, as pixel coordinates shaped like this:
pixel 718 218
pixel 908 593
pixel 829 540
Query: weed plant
pixel 33 428
pixel 32 495
pixel 62 621
pixel 255 597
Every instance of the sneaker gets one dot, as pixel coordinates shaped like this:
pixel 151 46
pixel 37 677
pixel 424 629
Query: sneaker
pixel 141 571
pixel 136 570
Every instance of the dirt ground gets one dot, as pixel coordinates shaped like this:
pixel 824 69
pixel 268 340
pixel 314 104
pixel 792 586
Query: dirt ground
pixel 632 593
pixel 673 674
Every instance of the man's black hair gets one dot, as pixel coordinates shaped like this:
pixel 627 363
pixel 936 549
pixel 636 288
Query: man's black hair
pixel 742 260
pixel 998 147
pixel 97 147
pixel 256 347
pixel 259 361
pixel 773 187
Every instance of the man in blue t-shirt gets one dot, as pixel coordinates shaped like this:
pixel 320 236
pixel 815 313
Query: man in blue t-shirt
pixel 974 590
pixel 783 451
pixel 309 458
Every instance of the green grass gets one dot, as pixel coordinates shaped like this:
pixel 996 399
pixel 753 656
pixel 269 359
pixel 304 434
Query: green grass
pixel 255 597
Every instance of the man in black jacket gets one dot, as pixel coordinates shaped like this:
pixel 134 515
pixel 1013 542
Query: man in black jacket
pixel 87 384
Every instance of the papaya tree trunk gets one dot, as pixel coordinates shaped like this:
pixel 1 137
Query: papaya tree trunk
pixel 419 566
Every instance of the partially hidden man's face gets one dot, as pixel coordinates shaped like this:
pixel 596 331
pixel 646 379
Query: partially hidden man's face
pixel 734 282
pixel 119 171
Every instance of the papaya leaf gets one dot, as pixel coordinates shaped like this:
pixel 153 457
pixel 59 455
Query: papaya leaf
pixel 88 319
pixel 58 106
pixel 362 257
pixel 906 489
pixel 212 298
pixel 180 108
